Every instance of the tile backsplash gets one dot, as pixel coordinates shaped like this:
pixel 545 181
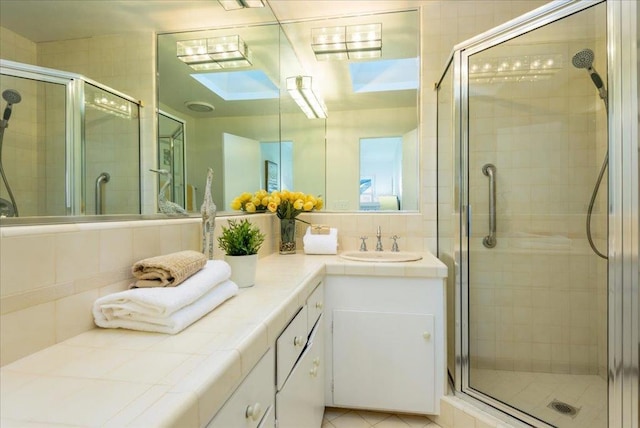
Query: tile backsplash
pixel 50 275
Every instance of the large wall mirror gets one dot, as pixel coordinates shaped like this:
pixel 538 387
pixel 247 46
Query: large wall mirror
pixel 249 130
pixel 244 123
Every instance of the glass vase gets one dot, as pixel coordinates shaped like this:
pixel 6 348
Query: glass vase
pixel 287 236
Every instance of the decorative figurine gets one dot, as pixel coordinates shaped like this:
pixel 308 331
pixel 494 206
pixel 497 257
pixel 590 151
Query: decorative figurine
pixel 208 211
pixel 167 207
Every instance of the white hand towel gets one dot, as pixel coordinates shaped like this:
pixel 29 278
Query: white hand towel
pixel 321 244
pixel 163 301
pixel 175 322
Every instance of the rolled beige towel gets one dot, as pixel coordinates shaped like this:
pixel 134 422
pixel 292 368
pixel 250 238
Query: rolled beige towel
pixel 168 270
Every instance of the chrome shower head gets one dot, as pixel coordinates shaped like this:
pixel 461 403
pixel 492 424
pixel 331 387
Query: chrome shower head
pixel 583 59
pixel 11 96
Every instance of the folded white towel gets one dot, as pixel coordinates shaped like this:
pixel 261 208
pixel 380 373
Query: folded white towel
pixel 321 244
pixel 157 304
pixel 175 322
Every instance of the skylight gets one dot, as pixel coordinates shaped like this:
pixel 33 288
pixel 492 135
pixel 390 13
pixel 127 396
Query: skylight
pixel 385 75
pixel 239 85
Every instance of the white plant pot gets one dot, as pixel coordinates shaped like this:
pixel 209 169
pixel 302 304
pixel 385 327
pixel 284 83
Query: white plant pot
pixel 243 269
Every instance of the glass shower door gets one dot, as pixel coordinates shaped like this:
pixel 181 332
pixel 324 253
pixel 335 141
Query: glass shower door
pixel 537 291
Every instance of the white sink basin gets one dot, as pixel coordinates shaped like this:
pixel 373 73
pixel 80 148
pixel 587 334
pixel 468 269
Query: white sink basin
pixel 380 256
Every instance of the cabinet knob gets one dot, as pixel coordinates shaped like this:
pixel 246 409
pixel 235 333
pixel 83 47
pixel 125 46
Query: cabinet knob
pixel 319 305
pixel 253 411
pixel 314 372
pixel 298 341
pixel 316 361
pixel 426 335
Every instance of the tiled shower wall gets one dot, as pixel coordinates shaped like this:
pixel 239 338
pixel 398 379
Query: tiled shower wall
pixel 538 297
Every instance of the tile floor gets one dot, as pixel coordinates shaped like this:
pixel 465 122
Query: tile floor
pixel 532 392
pixel 345 418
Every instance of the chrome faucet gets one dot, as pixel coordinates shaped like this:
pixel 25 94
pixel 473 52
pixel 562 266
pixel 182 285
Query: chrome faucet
pixel 379 236
pixel 363 245
pixel 394 247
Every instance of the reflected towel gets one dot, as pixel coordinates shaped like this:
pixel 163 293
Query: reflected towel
pixel 162 302
pixel 168 270
pixel 321 244
pixel 175 322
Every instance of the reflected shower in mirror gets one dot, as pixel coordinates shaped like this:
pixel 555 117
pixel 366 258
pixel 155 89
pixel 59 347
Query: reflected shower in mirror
pixel 171 138
pixel 72 146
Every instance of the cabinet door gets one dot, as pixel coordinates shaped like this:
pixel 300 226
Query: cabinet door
pixel 384 361
pixel 300 403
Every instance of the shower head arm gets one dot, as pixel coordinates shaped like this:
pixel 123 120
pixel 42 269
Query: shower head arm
pixel 599 84
pixel 7 112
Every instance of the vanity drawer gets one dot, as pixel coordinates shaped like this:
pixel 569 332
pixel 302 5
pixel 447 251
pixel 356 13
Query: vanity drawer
pixel 252 403
pixel 289 346
pixel 315 306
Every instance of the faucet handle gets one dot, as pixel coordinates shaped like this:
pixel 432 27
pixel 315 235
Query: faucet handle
pixel 363 245
pixel 394 247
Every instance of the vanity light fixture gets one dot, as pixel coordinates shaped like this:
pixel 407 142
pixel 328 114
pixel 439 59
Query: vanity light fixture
pixel 299 87
pixel 240 4
pixel 351 42
pixel 214 53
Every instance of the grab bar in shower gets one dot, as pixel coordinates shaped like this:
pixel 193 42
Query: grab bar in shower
pixel 102 178
pixel 489 170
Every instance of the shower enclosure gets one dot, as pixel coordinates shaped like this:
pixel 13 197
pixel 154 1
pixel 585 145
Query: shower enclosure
pixel 171 149
pixel 71 147
pixel 523 217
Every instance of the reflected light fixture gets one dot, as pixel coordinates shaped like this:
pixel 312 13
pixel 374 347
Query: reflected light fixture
pixel 214 53
pixel 299 87
pixel 524 68
pixel 108 103
pixel 350 42
pixel 240 4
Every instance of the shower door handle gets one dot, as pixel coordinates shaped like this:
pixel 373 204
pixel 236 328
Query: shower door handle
pixel 102 178
pixel 489 170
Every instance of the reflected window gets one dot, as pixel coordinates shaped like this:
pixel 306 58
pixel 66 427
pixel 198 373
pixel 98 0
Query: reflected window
pixel 380 173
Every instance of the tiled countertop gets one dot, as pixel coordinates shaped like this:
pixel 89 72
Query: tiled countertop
pixel 118 378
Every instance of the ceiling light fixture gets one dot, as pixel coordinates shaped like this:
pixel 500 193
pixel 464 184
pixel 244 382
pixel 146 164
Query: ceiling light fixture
pixel 299 87
pixel 240 4
pixel 214 53
pixel 350 42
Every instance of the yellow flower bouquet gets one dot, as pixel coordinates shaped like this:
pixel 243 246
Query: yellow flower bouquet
pixel 287 205
pixel 284 203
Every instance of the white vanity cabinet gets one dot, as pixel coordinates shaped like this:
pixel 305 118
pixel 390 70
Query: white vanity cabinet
pixel 300 382
pixel 252 404
pixel 384 343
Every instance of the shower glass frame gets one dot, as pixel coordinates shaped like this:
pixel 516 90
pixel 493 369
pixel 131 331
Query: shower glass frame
pixel 75 186
pixel 622 288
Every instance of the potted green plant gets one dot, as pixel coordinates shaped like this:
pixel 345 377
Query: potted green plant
pixel 241 241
